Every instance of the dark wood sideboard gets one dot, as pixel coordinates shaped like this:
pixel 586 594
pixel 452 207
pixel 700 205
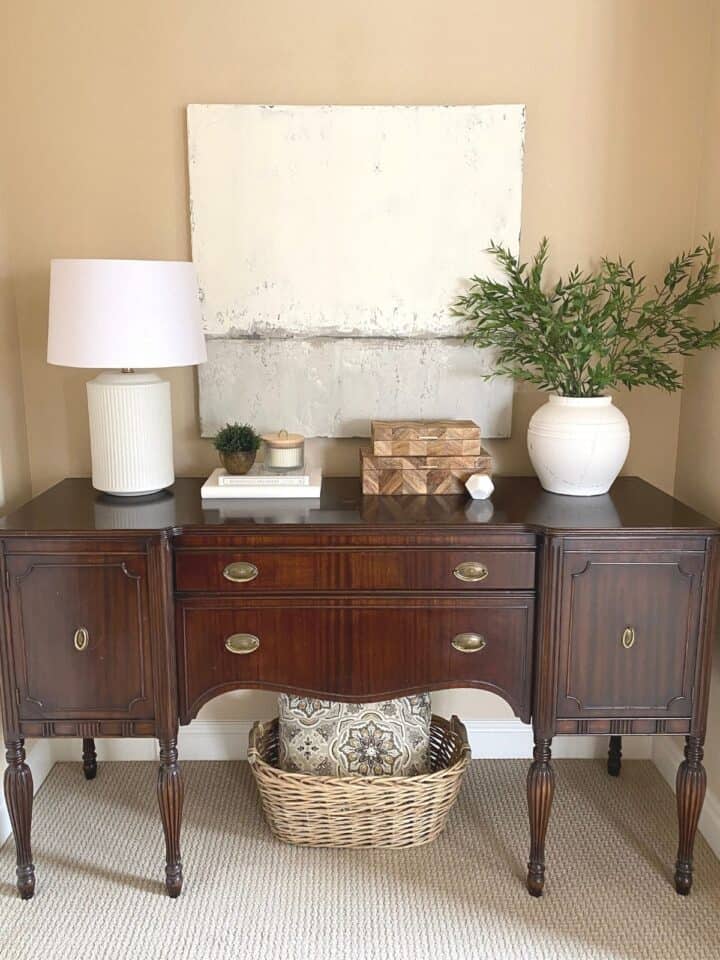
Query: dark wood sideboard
pixel 588 615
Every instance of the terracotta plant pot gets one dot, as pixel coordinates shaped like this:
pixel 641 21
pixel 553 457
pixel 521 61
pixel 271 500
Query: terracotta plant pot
pixel 238 463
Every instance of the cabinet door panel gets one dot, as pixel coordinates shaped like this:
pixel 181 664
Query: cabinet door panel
pixel 81 638
pixel 629 634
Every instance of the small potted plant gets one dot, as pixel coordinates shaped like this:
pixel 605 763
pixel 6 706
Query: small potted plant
pixel 582 336
pixel 237 444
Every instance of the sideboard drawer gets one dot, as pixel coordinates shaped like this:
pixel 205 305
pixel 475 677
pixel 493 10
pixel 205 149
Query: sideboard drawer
pixel 259 571
pixel 81 638
pixel 629 633
pixel 354 648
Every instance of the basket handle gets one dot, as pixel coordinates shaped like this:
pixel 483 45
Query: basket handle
pixel 256 734
pixel 458 727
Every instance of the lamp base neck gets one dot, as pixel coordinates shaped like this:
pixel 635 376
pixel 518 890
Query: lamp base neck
pixel 127 377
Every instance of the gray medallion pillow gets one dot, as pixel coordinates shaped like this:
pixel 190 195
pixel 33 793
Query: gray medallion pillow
pixel 335 739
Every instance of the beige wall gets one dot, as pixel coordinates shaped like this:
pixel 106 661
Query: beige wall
pixel 14 463
pixel 97 152
pixel 98 161
pixel 698 463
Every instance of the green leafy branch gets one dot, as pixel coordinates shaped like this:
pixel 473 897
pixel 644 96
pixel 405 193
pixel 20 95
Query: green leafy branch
pixel 591 332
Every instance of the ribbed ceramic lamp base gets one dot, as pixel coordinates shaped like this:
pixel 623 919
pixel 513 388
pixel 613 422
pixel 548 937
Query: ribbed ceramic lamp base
pixel 130 433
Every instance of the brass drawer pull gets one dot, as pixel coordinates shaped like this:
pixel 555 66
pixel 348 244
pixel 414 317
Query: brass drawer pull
pixel 470 571
pixel 242 643
pixel 81 639
pixel 628 637
pixel 240 572
pixel 469 642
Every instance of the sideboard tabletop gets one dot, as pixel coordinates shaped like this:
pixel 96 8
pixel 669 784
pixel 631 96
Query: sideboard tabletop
pixel 520 502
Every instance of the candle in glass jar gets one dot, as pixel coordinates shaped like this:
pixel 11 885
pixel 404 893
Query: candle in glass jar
pixel 284 451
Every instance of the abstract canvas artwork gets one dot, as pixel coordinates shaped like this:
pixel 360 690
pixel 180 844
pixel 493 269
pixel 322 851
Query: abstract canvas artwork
pixel 330 243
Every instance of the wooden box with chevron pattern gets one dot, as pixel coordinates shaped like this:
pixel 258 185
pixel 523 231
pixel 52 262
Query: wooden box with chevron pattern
pixel 421 438
pixel 423 457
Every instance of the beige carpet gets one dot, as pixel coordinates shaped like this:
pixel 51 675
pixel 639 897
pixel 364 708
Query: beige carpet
pixel 99 855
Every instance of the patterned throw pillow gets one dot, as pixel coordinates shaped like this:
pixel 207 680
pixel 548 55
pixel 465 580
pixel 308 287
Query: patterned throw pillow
pixel 334 739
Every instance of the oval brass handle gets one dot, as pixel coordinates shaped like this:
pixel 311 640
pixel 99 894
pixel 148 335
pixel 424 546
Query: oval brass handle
pixel 81 639
pixel 240 571
pixel 628 637
pixel 242 643
pixel 470 571
pixel 469 642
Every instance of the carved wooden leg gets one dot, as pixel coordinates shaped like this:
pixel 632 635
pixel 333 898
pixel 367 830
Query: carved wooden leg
pixel 540 790
pixel 614 756
pixel 690 793
pixel 19 800
pixel 89 757
pixel 170 798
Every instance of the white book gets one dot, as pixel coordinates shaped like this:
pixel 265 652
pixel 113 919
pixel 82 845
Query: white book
pixel 257 476
pixel 212 489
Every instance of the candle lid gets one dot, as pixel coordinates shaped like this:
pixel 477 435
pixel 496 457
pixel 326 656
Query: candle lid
pixel 283 439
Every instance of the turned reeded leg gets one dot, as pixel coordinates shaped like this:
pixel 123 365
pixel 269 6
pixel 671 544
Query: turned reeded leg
pixel 690 793
pixel 170 798
pixel 540 790
pixel 19 800
pixel 89 757
pixel 614 761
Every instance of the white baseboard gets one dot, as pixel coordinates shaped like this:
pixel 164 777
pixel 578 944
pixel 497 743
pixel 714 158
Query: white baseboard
pixel 68 749
pixel 227 740
pixel 214 740
pixel 41 758
pixel 668 755
pixel 505 739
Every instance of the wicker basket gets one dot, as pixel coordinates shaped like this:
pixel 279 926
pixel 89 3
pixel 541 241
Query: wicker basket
pixel 360 811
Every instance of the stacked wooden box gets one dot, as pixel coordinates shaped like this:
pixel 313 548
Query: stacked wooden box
pixel 422 456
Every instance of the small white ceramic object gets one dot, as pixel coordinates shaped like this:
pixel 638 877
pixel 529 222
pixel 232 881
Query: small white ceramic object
pixel 284 451
pixel 479 486
pixel 578 445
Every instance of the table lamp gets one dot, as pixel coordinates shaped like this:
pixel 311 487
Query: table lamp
pixel 126 314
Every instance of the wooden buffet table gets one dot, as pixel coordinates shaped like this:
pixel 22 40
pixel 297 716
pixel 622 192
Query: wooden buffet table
pixel 595 616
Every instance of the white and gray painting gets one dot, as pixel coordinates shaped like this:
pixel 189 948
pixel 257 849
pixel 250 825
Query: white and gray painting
pixel 330 243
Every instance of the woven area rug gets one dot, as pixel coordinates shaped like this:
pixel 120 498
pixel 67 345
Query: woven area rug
pixel 99 854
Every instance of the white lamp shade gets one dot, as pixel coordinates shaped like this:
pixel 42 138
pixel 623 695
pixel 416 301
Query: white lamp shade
pixel 124 314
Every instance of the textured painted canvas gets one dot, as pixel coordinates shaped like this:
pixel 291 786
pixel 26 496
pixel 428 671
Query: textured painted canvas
pixel 330 243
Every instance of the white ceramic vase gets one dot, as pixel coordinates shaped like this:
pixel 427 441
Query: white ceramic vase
pixel 578 445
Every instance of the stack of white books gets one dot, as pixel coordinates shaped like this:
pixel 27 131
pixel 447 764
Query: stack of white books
pixel 259 483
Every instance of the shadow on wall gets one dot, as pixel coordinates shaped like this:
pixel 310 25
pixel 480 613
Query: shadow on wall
pixel 2 484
